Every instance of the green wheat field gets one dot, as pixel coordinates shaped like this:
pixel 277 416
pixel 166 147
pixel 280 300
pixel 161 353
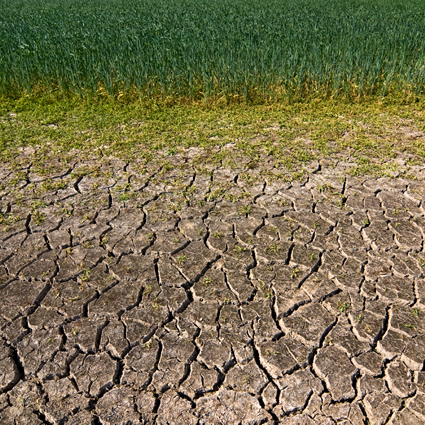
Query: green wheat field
pixel 212 49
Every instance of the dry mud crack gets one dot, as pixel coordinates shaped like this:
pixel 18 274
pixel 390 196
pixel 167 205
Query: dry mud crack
pixel 143 294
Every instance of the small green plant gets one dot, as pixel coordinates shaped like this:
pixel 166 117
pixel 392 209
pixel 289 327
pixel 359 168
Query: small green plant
pixel 230 197
pixel 67 211
pixel 38 217
pixel 182 259
pixel 420 259
pixel 342 306
pixel 322 187
pixel 245 210
pixel 217 235
pixel 87 245
pixel 273 229
pixel 85 275
pixel 188 191
pixel 266 290
pixel 103 241
pixel 123 197
pixel 38 204
pixel 50 185
pixel 295 273
pixel 216 193
pixel 85 218
pixel 147 290
pixel 341 201
pixel 9 218
pixel 273 248
pixel 239 250
pixel 207 281
pixel 415 312
pixel 312 257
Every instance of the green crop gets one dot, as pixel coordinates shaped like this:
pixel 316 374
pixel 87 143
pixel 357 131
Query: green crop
pixel 221 49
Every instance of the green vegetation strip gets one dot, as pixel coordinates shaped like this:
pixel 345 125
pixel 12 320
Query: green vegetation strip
pixel 370 137
pixel 225 50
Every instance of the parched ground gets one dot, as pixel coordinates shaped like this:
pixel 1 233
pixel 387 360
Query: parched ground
pixel 134 293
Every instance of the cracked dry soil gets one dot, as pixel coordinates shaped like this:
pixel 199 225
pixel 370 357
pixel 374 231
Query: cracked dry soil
pixel 140 294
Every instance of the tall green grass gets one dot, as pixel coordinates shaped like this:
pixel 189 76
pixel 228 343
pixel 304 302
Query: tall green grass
pixel 250 49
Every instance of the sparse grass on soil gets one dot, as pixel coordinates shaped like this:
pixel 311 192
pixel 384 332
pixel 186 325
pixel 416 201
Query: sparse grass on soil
pixel 371 136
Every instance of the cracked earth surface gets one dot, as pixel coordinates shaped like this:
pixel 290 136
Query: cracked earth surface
pixel 137 293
